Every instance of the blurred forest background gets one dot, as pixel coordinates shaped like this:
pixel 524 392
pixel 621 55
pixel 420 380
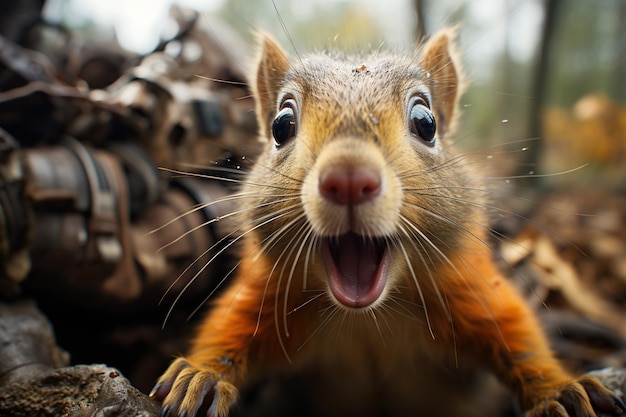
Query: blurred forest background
pixel 544 118
pixel 549 69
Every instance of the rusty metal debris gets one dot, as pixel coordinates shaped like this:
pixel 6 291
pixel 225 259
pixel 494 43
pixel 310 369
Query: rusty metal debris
pixel 89 137
pixel 82 151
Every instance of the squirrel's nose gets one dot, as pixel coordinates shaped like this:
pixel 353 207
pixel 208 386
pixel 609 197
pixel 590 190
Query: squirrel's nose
pixel 349 186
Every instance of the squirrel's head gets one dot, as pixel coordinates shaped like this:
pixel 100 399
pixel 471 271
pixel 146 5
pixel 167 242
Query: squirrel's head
pixel 360 148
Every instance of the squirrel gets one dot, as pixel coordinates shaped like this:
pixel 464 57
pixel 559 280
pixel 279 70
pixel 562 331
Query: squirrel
pixel 365 266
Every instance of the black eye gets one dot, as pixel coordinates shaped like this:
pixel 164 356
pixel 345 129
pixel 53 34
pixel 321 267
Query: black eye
pixel 284 125
pixel 422 122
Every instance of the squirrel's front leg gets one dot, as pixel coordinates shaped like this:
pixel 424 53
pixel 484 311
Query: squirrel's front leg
pixel 190 384
pixel 506 337
pixel 210 376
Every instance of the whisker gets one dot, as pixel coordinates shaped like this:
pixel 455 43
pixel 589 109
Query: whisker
pixel 431 244
pixel 417 238
pixel 266 244
pixel 312 245
pixel 271 241
pixel 504 144
pixel 452 222
pixel 204 168
pixel 372 313
pixel 481 297
pixel 217 80
pixel 282 175
pixel 212 292
pixel 305 225
pixel 535 223
pixel 550 175
pixel 214 246
pixel 286 31
pixel 418 287
pixel 217 219
pixel 402 310
pixel 226 179
pixel 323 324
pixel 443 165
pixel 197 207
pixel 307 302
pixel 215 256
pixel 271 273
pixel 443 299
pixel 489 191
pixel 284 229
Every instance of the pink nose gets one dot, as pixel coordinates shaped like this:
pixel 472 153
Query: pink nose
pixel 349 187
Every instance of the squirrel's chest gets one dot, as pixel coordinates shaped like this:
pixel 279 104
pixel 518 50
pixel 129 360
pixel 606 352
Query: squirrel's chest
pixel 348 374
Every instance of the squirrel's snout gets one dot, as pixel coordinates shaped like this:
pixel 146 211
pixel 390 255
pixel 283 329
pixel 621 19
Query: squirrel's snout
pixel 347 186
pixel 350 189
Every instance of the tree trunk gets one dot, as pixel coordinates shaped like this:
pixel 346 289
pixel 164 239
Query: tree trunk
pixel 618 86
pixel 540 81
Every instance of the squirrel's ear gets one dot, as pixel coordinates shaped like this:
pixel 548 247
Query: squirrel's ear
pixel 439 60
pixel 272 65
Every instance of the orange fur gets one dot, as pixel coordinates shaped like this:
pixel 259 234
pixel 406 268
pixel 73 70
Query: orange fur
pixel 445 311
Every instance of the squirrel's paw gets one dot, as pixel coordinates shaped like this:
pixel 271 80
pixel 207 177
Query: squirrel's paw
pixel 186 389
pixel 585 396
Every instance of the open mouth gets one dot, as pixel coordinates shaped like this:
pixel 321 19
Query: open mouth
pixel 357 268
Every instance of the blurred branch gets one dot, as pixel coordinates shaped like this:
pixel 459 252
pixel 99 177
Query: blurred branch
pixel 420 26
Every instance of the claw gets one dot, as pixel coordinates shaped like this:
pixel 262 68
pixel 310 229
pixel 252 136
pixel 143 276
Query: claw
pixel 155 391
pixel 602 398
pixel 612 405
pixel 160 390
pixel 619 406
pixel 164 411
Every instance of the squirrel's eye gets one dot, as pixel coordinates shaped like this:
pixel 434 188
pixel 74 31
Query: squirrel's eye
pixel 284 125
pixel 422 122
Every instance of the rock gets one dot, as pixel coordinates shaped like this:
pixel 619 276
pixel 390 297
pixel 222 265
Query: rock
pixel 28 343
pixel 76 391
pixel 612 378
pixel 32 384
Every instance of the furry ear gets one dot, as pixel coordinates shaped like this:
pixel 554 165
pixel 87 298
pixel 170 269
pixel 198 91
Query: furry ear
pixel 272 65
pixel 439 60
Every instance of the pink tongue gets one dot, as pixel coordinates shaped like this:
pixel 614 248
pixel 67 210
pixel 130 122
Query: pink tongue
pixel 357 269
pixel 357 261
